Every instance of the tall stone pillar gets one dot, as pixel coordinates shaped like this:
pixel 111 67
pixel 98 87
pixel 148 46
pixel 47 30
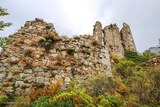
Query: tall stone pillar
pixel 112 40
pixel 97 32
pixel 127 39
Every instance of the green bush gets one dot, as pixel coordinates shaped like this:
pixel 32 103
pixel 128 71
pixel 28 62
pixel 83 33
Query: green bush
pixel 137 58
pixel 70 51
pixel 4 41
pixel 3 99
pixel 108 101
pixel 76 97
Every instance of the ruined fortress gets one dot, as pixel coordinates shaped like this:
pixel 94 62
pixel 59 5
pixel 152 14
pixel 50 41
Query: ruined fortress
pixel 37 54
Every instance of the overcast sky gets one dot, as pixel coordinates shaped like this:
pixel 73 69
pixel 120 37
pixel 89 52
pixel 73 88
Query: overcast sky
pixel 72 17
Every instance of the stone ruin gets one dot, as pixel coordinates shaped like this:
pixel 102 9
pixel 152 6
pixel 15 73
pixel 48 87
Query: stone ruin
pixel 37 54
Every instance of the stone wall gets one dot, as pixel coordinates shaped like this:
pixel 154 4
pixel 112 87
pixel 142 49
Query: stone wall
pixel 38 55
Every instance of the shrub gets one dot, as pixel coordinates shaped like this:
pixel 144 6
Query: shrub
pixel 85 51
pixel 108 101
pixel 72 98
pixel 4 41
pixel 135 57
pixel 70 51
pixel 97 83
pixel 3 99
pixel 48 41
pixel 95 43
pixel 21 101
pixel 85 46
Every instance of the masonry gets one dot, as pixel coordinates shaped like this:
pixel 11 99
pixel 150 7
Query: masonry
pixel 37 54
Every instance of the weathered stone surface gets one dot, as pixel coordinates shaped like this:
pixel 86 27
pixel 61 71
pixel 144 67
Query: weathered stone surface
pixel 2 76
pixel 97 32
pixel 67 80
pixel 38 69
pixel 2 69
pixel 19 84
pixel 127 39
pixel 28 71
pixel 112 40
pixel 1 49
pixel 13 60
pixel 39 55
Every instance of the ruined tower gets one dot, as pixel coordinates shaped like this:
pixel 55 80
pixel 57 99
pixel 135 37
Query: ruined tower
pixel 127 39
pixel 112 39
pixel 97 32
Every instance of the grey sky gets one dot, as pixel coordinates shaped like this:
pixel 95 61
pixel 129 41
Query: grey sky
pixel 78 16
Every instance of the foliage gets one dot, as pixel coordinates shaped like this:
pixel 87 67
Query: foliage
pixel 95 43
pixel 51 90
pixel 142 81
pixel 124 67
pixel 4 41
pixel 3 12
pixel 107 100
pixel 85 51
pixel 135 57
pixel 70 51
pixel 69 98
pixel 21 101
pixel 97 83
pixel 3 99
pixel 48 41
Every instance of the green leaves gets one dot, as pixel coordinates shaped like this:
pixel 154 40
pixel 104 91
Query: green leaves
pixel 4 41
pixel 3 12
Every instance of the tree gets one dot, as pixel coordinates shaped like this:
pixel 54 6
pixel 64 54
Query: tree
pixel 3 12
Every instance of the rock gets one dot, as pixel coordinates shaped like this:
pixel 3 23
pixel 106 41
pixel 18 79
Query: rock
pixel 58 77
pixel 2 69
pixel 39 19
pixel 19 84
pixel 127 39
pixel 19 91
pixel 2 76
pixel 29 90
pixel 27 41
pixel 67 80
pixel 1 49
pixel 26 85
pixel 38 69
pixel 7 83
pixel 9 77
pixel 13 60
pixel 28 71
pixel 9 89
pixel 30 79
pixel 97 32
pixel 54 72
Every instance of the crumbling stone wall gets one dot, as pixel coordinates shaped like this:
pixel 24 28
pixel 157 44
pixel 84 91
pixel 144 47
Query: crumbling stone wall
pixel 38 55
pixel 127 39
pixel 112 40
pixel 97 32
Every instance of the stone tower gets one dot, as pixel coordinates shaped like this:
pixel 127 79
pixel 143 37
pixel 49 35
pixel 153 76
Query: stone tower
pixel 97 32
pixel 112 39
pixel 127 39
